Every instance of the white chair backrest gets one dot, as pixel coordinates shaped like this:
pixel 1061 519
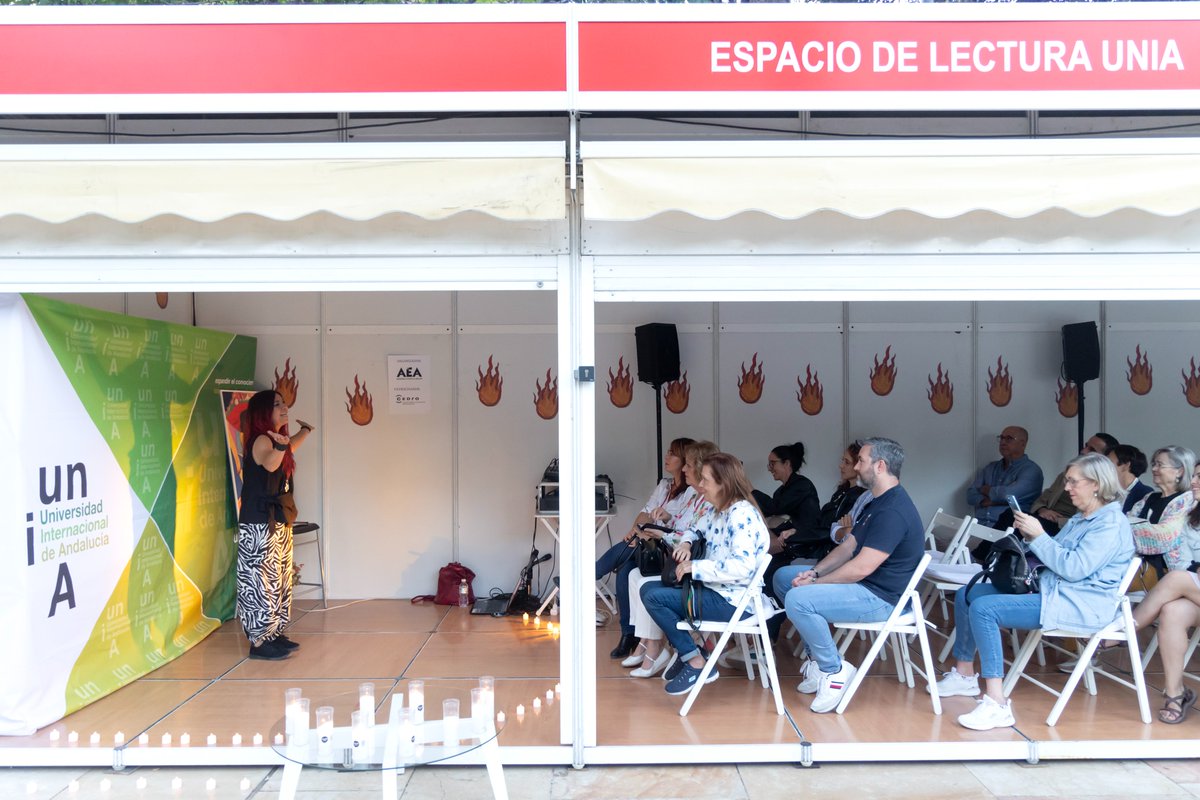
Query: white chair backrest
pixel 754 588
pixel 943 528
pixel 977 530
pixel 1130 573
pixel 956 550
pixel 910 590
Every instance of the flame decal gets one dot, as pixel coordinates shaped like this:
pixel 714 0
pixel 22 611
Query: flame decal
pixel 811 394
pixel 1067 398
pixel 676 395
pixel 286 384
pixel 490 385
pixel 161 299
pixel 545 399
pixel 999 385
pixel 883 374
pixel 941 391
pixel 750 382
pixel 620 386
pixel 359 405
pixel 1191 385
pixel 1140 374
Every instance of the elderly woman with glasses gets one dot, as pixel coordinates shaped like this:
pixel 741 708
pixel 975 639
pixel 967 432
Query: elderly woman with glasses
pixel 1083 568
pixel 1159 518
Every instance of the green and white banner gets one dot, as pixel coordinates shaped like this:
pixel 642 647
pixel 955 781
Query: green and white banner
pixel 119 521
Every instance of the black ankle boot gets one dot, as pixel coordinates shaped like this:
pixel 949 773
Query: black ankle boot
pixel 625 646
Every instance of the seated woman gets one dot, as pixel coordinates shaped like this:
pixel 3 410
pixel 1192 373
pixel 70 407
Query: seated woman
pixel 796 497
pixel 670 497
pixel 686 519
pixel 1083 567
pixel 1175 602
pixel 1158 518
pixel 737 541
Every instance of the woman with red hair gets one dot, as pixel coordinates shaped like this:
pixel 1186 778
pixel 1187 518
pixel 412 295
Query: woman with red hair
pixel 264 546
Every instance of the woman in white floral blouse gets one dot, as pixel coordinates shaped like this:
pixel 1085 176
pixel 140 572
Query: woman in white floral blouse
pixel 736 543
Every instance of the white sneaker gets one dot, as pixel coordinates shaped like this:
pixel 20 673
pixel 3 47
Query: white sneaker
pixel 832 687
pixel 811 675
pixel 955 684
pixel 988 714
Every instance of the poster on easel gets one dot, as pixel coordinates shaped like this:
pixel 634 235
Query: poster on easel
pixel 113 469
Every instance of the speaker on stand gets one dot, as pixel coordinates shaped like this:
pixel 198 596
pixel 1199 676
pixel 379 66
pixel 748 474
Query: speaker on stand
pixel 1081 360
pixel 657 364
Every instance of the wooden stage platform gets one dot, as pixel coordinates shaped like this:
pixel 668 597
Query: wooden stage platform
pixel 214 689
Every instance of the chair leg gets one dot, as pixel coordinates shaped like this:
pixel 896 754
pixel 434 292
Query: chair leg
pixel 927 659
pixel 948 646
pixel 902 673
pixel 1082 669
pixel 709 665
pixel 767 668
pixel 1022 658
pixel 1152 648
pixel 321 567
pixel 876 646
pixel 1139 678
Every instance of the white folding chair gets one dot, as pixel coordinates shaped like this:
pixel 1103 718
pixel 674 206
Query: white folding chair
pixel 753 628
pixel 906 618
pixel 946 528
pixel 1120 629
pixel 1193 643
pixel 950 576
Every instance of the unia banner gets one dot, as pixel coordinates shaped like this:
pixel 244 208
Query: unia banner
pixel 118 547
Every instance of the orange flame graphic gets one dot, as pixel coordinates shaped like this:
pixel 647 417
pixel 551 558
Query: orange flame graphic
pixel 359 404
pixel 1191 385
pixel 490 385
pixel 941 391
pixel 620 386
pixel 545 399
pixel 1140 374
pixel 286 384
pixel 883 375
pixel 161 299
pixel 1067 397
pixel 750 382
pixel 811 394
pixel 676 395
pixel 999 385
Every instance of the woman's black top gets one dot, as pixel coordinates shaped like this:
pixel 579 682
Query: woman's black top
pixel 1156 503
pixel 796 497
pixel 266 496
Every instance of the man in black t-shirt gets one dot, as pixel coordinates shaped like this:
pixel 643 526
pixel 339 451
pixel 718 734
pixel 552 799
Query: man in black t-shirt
pixel 861 580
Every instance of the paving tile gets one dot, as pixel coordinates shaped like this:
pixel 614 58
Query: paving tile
pixel 46 783
pixel 472 783
pixel 648 783
pixel 883 781
pixel 1074 779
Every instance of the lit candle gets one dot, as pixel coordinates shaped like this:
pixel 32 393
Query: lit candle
pixel 73 787
pixel 291 704
pixel 73 737
pixel 549 695
pixel 537 621
pixel 279 738
pixel 118 739
pixel 303 720
pixel 176 783
pixel 325 732
pixel 358 731
pixel 237 740
pixel 408 735
pixel 525 618
pixel 558 690
pixel 450 722
pixel 141 784
pixel 211 740
pixel 210 784
pixel 31 787
pixel 416 701
pixel 244 785
pixel 54 735
pixel 479 709
pixel 105 784
pixel 520 712
pixel 537 705
pixel 144 739
pixel 185 739
pixel 487 684
pixel 258 740
pixel 166 740
pixel 499 717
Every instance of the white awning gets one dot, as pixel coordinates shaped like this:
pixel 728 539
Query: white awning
pixel 133 183
pixel 627 181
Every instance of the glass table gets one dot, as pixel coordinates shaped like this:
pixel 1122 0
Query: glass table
pixel 411 730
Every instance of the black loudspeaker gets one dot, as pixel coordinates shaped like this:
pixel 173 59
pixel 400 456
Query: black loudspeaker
pixel 657 353
pixel 1081 352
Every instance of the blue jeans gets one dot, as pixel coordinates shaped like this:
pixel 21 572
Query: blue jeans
pixel 665 605
pixel 812 608
pixel 978 625
pixel 619 557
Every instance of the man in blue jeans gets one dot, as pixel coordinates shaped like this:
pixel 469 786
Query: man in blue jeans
pixel 861 580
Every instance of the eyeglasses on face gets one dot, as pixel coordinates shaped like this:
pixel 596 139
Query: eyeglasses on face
pixel 1160 465
pixel 1077 481
pixel 773 461
pixel 1006 437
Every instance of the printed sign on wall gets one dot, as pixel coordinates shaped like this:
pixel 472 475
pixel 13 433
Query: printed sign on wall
pixel 408 384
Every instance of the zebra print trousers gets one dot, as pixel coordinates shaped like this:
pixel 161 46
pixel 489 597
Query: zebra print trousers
pixel 264 579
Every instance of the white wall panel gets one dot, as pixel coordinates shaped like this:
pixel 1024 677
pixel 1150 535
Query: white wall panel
pixel 1163 415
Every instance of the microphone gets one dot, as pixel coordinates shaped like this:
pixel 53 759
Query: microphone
pixel 546 557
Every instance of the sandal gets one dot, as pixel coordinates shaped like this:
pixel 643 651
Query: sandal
pixel 1175 709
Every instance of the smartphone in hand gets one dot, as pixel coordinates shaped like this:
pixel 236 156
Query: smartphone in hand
pixel 1013 504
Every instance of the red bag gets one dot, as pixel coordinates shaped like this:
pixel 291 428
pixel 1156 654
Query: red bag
pixel 450 577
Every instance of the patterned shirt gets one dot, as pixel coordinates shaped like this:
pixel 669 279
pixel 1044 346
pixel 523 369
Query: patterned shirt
pixel 737 541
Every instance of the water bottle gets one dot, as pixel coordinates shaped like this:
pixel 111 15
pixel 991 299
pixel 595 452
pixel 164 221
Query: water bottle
pixel 464 594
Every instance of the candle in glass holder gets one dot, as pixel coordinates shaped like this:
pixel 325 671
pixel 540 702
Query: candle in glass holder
pixel 416 701
pixel 291 702
pixel 479 710
pixel 366 702
pixel 487 684
pixel 325 732
pixel 408 736
pixel 303 719
pixel 450 722
pixel 358 733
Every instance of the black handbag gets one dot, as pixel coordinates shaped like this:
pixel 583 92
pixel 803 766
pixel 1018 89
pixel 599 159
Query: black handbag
pixel 1008 568
pixel 669 563
pixel 648 556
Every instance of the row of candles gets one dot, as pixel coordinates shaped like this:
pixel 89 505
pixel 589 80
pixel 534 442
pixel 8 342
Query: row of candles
pixel 552 628
pixel 362 721
pixel 210 785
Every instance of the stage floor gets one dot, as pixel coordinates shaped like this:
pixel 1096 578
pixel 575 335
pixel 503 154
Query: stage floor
pixel 214 689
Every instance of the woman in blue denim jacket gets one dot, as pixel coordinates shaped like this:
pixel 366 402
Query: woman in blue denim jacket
pixel 1083 564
